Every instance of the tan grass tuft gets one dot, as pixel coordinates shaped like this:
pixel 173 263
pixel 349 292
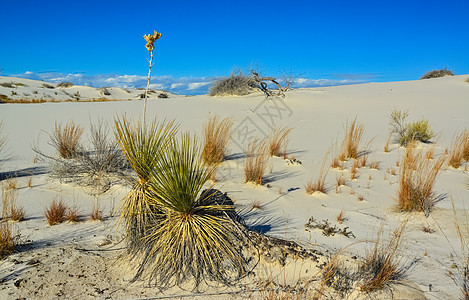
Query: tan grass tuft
pixel 340 217
pixel 319 184
pixel 256 162
pixel 353 137
pixel 381 266
pixel 374 165
pixel 71 215
pixel 386 144
pixel 55 213
pixel 96 213
pixel 278 139
pixel 459 149
pixel 66 139
pixel 417 178
pixel 217 133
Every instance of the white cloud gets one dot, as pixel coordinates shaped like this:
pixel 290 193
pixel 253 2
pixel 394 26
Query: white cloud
pixel 196 85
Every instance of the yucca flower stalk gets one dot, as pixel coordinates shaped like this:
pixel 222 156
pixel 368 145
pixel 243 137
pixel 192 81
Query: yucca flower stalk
pixel 190 235
pixel 151 39
pixel 143 147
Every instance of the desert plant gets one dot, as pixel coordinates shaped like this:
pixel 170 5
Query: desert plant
pixel 256 162
pixel 381 267
pixel 143 148
pixel 96 212
pixel 189 233
pixel 319 184
pixel 150 39
pixel 417 178
pixel 459 149
pixel 353 136
pixel 8 241
pixel 47 86
pixel 467 80
pixel 66 140
pixel 236 84
pixel 217 133
pixel 71 214
pixel 55 213
pixel 105 91
pixel 9 196
pixel 408 132
pixel 278 139
pixel 65 84
pixel 437 73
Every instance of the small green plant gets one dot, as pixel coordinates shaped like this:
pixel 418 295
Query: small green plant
pixel 236 84
pixel 437 73
pixel 408 132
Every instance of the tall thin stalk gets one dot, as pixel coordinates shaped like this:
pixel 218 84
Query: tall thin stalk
pixel 150 41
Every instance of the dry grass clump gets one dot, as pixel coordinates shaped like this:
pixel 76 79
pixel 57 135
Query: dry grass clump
pixel 55 213
pixel 14 212
pixel 437 73
pixel 380 267
pixel 71 215
pixel 340 217
pixel 353 137
pixel 459 149
pixel 319 184
pixel 417 178
pixel 65 84
pixel 96 213
pixel 66 139
pixel 236 84
pixel 256 162
pixel 278 139
pixel 217 133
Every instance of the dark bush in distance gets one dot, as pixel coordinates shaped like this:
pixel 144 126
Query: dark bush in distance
pixel 236 84
pixel 437 73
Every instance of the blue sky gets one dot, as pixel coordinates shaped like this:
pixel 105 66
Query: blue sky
pixel 335 42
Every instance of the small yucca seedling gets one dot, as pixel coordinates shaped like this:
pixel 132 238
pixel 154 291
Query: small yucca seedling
pixel 256 162
pixel 66 140
pixel 55 213
pixel 278 139
pixel 353 137
pixel 217 133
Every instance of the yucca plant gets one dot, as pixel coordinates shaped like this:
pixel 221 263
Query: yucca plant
pixel 143 147
pixel 190 234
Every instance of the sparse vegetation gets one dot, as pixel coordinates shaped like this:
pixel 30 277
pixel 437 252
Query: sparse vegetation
pixel 96 212
pixel 48 86
pixel 236 84
pixel 350 147
pixel 104 91
pixel 217 133
pixel 417 178
pixel 71 215
pixel 327 229
pixel 66 140
pixel 55 213
pixel 319 184
pixel 459 149
pixel 381 267
pixel 437 73
pixel 278 139
pixel 408 132
pixel 256 162
pixel 65 84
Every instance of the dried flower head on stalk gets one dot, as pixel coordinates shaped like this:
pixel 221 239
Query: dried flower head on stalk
pixel 151 39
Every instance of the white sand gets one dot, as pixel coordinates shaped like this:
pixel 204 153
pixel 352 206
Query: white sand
pixel 58 254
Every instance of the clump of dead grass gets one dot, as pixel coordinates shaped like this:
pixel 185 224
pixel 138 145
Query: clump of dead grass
pixel 417 179
pixel 381 267
pixel 9 197
pixel 353 137
pixel 217 133
pixel 279 140
pixel 319 184
pixel 66 139
pixel 459 149
pixel 55 213
pixel 256 162
pixel 71 215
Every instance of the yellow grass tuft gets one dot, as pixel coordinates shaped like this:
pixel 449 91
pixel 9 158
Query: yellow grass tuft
pixel 55 213
pixel 279 140
pixel 217 133
pixel 256 162
pixel 71 214
pixel 417 178
pixel 353 137
pixel 319 184
pixel 66 139
pixel 340 217
pixel 459 149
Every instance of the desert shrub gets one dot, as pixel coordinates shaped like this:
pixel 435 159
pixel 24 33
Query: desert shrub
pixel 353 137
pixel 66 140
pixel 278 139
pixel 459 149
pixel 256 162
pixel 417 179
pixel 236 84
pixel 467 80
pixel 10 85
pixel 65 84
pixel 381 267
pixel 408 132
pixel 48 86
pixel 217 133
pixel 163 95
pixel 55 213
pixel 9 197
pixel 437 73
pixel 104 91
